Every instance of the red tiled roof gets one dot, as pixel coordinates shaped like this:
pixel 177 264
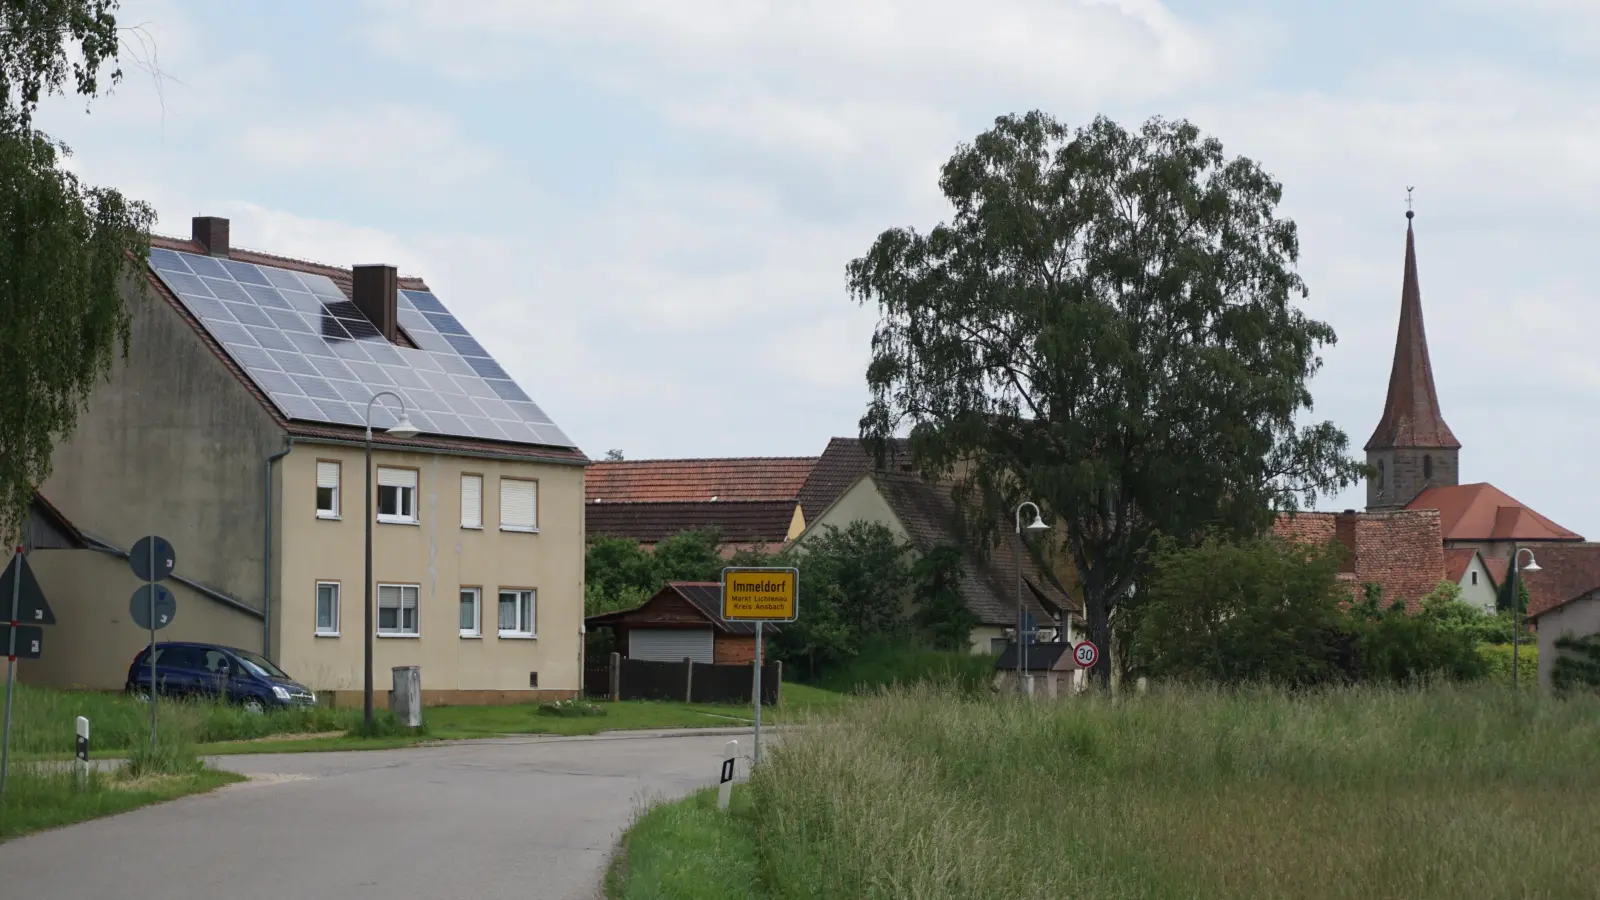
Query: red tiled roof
pixel 1566 571
pixel 1497 569
pixel 1411 416
pixel 928 513
pixel 329 431
pixel 1456 561
pixel 1401 551
pixel 736 521
pixel 659 480
pixel 1483 512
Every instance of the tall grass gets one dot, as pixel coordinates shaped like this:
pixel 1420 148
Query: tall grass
pixel 897 664
pixel 1441 792
pixel 45 720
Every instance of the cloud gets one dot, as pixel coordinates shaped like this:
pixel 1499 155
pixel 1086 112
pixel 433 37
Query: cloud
pixel 407 149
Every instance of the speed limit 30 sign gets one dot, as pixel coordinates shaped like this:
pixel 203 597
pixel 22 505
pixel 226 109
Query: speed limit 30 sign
pixel 1086 654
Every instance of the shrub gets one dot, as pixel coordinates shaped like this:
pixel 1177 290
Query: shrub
pixel 1577 667
pixel 1396 646
pixel 1497 658
pixel 1237 611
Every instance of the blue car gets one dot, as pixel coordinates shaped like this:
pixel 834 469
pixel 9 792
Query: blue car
pixel 213 672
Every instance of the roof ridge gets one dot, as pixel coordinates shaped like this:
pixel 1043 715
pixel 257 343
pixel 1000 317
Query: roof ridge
pixel 690 459
pixel 267 254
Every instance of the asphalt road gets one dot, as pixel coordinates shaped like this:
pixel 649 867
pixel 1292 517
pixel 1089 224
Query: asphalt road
pixel 525 818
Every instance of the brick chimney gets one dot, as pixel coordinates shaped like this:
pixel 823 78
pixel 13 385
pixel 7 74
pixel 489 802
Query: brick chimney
pixel 210 232
pixel 1344 531
pixel 374 287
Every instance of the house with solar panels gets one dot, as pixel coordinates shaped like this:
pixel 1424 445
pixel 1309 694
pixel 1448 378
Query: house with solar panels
pixel 235 428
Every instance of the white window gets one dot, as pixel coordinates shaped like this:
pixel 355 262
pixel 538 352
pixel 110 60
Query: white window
pixel 519 505
pixel 397 609
pixel 327 490
pixel 472 501
pixel 469 611
pixel 328 607
pixel 516 613
pixel 397 495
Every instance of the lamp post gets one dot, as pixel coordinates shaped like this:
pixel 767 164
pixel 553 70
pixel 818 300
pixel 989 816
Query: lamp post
pixel 1036 525
pixel 1517 611
pixel 401 429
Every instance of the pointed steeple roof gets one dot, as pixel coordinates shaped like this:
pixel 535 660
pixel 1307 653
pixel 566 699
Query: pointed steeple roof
pixel 1411 416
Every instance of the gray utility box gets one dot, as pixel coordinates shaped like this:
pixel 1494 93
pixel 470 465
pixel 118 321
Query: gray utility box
pixel 405 701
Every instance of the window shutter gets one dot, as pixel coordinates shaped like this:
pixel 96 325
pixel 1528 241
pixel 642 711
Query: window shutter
pixel 327 475
pixel 519 504
pixel 397 478
pixel 472 501
pixel 388 595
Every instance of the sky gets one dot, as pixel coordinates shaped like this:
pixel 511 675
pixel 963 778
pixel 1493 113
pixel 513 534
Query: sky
pixel 645 209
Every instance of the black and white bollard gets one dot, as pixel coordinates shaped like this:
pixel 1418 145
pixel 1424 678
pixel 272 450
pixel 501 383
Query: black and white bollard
pixel 81 763
pixel 725 789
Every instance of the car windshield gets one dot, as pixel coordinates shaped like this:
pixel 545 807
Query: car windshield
pixel 259 665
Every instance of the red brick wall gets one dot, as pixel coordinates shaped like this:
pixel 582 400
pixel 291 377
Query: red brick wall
pixel 733 649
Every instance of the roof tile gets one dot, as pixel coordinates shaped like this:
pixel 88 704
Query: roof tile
pixel 1483 512
pixel 737 521
pixel 1566 571
pixel 658 480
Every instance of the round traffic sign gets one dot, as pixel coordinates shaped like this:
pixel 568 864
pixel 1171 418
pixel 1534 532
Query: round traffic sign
pixel 1086 654
pixel 166 606
pixel 140 558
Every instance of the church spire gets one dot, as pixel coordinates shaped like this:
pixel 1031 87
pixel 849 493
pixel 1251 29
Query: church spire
pixel 1411 416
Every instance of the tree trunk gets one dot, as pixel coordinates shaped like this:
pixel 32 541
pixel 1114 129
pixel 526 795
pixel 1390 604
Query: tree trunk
pixel 1095 607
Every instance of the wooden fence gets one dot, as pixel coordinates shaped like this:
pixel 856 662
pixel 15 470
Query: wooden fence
pixel 620 678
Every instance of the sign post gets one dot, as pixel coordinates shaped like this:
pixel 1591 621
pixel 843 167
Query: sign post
pixel 760 595
pixel 152 560
pixel 27 605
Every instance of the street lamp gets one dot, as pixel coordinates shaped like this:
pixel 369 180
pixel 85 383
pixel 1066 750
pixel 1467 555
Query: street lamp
pixel 1036 525
pixel 401 429
pixel 1517 611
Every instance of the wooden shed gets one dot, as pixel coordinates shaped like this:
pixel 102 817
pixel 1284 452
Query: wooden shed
pixel 682 621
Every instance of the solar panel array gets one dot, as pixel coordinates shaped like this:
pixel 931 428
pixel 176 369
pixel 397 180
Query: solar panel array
pixel 309 348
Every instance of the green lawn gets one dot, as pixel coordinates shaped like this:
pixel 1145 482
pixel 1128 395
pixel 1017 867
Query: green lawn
pixel 1429 793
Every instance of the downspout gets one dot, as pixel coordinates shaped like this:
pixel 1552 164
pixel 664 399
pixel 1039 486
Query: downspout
pixel 266 566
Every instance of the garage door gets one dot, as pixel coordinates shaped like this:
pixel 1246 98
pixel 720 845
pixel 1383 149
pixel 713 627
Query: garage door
pixel 670 644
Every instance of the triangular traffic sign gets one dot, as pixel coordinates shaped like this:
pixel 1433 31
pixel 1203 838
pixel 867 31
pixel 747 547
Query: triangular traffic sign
pixel 32 608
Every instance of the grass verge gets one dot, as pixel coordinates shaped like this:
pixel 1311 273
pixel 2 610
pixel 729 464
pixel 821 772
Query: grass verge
pixel 1441 792
pixel 41 797
pixel 688 850
pixel 119 724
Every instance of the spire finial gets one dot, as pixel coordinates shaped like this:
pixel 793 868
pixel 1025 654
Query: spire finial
pixel 1409 213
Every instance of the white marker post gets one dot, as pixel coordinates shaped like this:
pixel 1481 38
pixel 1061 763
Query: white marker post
pixel 82 761
pixel 725 789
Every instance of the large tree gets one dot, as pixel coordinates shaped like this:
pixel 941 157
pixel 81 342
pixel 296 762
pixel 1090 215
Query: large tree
pixel 65 247
pixel 1107 327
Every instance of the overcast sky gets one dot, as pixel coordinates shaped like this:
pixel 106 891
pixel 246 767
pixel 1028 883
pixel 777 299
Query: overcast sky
pixel 644 209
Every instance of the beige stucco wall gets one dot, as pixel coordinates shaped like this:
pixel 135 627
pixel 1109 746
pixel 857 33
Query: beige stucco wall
pixel 860 502
pixel 1482 595
pixel 440 557
pixel 94 638
pixel 1578 618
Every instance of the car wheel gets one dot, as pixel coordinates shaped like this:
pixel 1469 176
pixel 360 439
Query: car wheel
pixel 254 705
pixel 140 694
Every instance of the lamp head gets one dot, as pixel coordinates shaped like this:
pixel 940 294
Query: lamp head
pixel 403 428
pixel 1038 524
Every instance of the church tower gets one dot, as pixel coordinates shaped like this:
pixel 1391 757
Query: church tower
pixel 1412 448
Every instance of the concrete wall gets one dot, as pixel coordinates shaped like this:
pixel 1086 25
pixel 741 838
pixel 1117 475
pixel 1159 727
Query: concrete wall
pixel 171 444
pixel 440 557
pixel 94 638
pixel 1577 618
pixel 1483 594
